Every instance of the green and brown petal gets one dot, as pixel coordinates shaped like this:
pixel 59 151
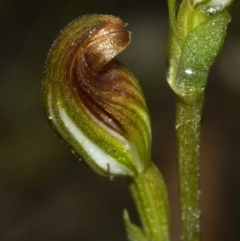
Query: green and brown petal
pixel 93 101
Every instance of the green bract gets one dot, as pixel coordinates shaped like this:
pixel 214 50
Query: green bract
pixel 196 40
pixel 201 46
pixel 93 101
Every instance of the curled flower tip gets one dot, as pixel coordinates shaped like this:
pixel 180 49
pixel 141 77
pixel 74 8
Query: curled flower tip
pixel 93 101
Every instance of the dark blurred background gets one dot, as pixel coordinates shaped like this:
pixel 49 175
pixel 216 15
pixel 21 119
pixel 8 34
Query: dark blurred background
pixel 45 192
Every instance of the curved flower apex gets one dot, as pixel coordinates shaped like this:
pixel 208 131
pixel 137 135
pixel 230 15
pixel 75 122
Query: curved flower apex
pixel 93 101
pixel 213 6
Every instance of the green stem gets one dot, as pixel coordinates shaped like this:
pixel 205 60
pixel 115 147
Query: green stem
pixel 188 120
pixel 150 196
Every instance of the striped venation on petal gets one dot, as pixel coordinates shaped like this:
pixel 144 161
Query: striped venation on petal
pixel 94 89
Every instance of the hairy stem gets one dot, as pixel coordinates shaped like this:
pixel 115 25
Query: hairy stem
pixel 188 120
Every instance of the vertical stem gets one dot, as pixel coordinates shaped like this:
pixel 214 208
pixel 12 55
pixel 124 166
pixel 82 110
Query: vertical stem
pixel 188 119
pixel 150 196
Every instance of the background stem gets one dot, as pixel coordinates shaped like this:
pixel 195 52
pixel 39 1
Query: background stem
pixel 188 120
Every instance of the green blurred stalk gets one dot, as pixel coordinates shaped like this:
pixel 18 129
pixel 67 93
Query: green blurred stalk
pixel 150 196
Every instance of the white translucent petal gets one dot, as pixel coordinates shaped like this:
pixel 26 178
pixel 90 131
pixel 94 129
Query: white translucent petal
pixel 104 161
pixel 128 146
pixel 216 4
